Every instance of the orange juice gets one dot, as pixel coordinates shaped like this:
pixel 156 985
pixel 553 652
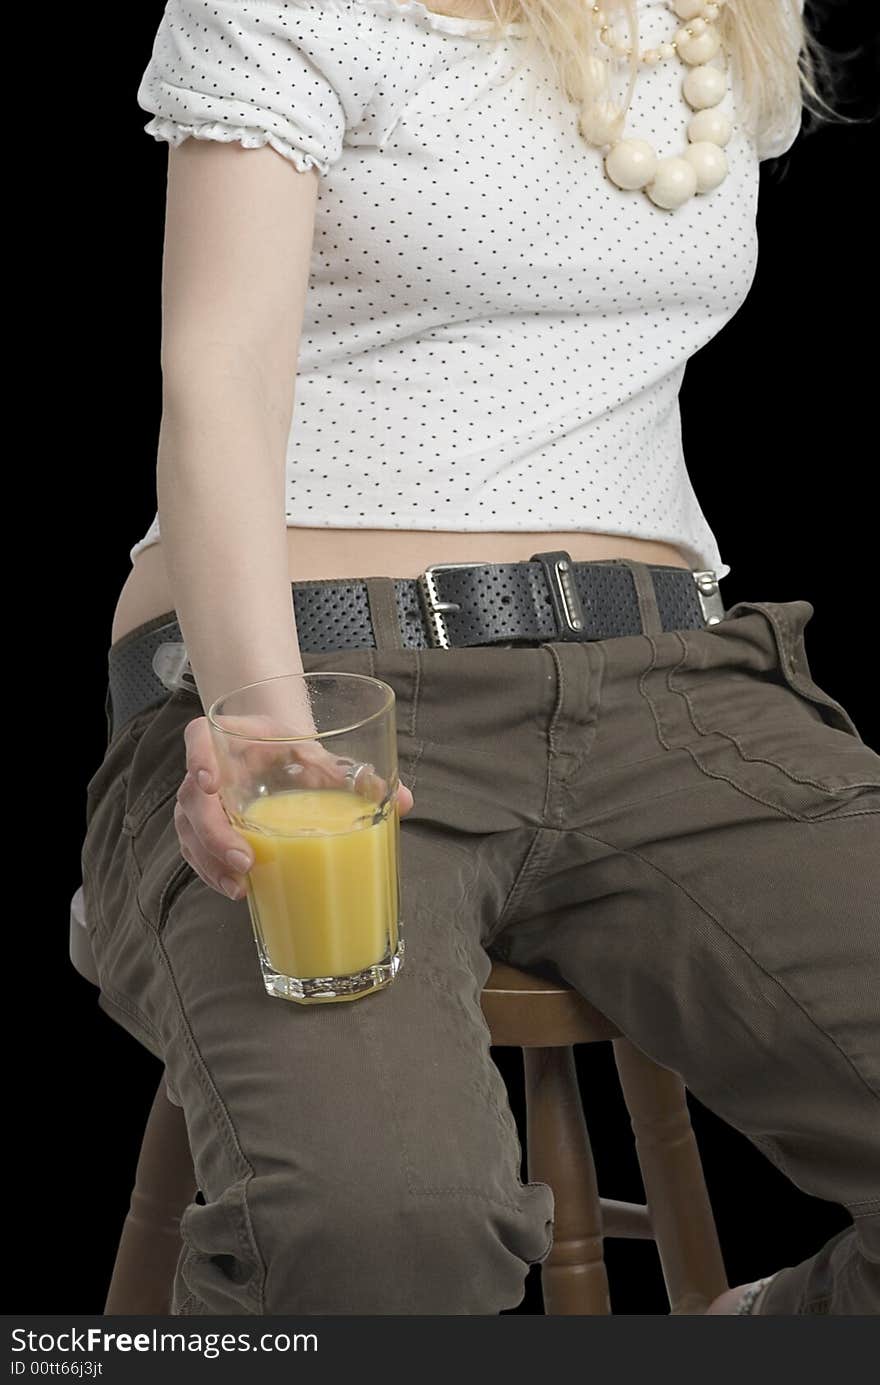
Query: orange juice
pixel 323 889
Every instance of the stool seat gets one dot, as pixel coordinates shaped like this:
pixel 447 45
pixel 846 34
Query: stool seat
pixel 526 1010
pixel 544 1017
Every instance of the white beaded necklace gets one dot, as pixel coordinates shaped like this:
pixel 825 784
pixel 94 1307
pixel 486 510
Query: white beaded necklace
pixel 633 164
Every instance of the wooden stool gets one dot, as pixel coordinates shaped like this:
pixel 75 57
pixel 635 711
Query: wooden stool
pixel 545 1019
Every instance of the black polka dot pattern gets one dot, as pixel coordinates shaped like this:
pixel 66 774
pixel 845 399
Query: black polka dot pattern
pixel 495 335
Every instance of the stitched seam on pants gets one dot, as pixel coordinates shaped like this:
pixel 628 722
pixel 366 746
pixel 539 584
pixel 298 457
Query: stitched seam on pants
pixel 471 1192
pixel 830 816
pixel 714 774
pixel 844 1276
pixel 98 924
pixel 416 695
pixel 409 765
pixel 591 711
pixel 772 1152
pixel 400 1142
pixel 532 862
pixel 411 769
pixel 746 793
pixel 125 1005
pixel 757 759
pixel 551 727
pixel 415 759
pixel 624 851
pixel 229 1134
pixel 209 1085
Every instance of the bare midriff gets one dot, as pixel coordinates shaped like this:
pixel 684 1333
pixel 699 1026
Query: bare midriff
pixel 315 553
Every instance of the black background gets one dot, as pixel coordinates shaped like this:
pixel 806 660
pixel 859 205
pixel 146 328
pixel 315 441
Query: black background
pixel 780 426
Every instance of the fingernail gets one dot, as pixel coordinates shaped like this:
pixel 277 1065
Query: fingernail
pixel 229 886
pixel 204 779
pixel 239 861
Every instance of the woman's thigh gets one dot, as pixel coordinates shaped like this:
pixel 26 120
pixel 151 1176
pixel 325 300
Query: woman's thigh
pixel 714 888
pixel 353 1157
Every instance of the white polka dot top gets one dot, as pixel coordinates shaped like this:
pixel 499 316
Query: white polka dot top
pixel 494 335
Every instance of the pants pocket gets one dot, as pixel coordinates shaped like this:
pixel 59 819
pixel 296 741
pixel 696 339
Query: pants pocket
pixel 158 764
pixel 221 1266
pixel 155 772
pixel 746 706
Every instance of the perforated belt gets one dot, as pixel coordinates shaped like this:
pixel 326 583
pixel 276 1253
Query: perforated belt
pixel 448 606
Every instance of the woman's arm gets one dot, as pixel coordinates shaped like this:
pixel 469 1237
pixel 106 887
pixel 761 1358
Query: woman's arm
pixel 238 235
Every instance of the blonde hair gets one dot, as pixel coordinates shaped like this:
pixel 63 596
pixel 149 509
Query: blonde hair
pixel 776 63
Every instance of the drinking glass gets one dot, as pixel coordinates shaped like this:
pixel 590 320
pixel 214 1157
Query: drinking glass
pixel 308 776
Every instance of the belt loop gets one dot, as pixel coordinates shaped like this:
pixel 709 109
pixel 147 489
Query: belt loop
pixel 382 598
pixel 649 611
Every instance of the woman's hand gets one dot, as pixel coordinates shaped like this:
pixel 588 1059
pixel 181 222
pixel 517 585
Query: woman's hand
pixel 206 835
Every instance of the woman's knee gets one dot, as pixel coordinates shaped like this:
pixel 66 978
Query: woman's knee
pixel 276 1248
pixel 445 1253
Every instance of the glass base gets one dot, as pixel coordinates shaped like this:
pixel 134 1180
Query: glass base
pixel 311 990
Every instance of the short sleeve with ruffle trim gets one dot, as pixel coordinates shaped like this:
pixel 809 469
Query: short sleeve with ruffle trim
pixel 294 74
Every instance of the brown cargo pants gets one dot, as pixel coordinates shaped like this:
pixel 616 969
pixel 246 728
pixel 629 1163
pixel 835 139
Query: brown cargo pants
pixel 682 825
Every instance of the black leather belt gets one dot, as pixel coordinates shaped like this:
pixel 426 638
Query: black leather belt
pixel 448 606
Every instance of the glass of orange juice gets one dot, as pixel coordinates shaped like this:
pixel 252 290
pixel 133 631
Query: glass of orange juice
pixel 308 776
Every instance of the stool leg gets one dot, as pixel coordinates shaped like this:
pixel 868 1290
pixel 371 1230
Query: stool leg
pixel 675 1188
pixel 573 1277
pixel 149 1247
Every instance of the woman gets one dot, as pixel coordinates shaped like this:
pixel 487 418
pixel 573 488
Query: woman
pixel 484 258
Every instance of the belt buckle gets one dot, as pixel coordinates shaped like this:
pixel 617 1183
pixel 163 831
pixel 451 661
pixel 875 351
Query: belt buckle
pixel 709 597
pixel 433 607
